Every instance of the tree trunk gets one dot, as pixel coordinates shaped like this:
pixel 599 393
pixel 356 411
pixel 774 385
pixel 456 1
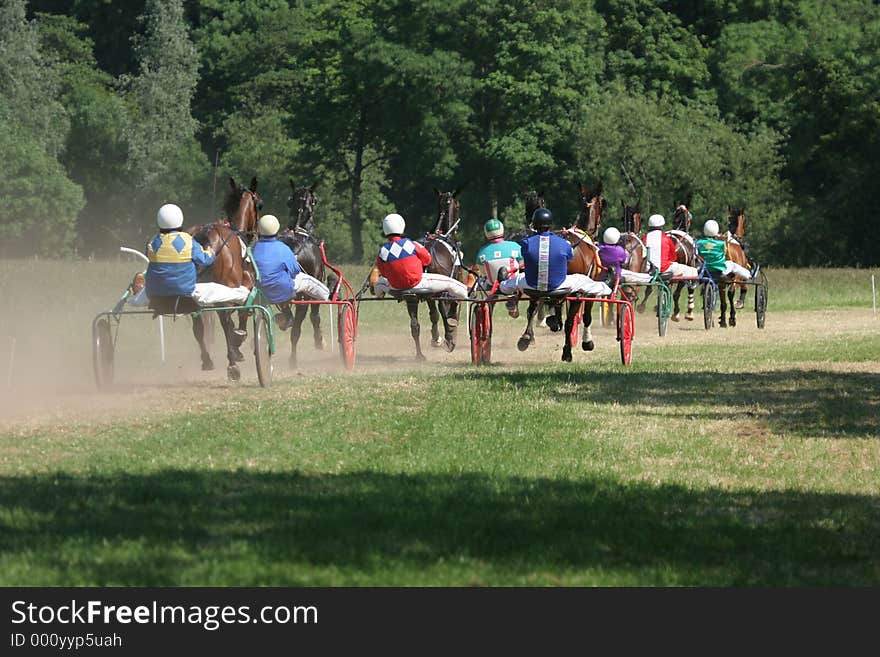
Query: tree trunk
pixel 355 220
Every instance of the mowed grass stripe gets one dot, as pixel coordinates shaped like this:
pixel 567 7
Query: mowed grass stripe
pixel 517 476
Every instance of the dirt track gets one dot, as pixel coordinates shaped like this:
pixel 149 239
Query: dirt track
pixel 56 392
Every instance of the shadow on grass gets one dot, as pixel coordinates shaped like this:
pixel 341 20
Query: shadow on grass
pixel 239 528
pixel 808 403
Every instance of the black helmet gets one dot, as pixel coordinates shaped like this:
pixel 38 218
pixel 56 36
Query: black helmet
pixel 542 218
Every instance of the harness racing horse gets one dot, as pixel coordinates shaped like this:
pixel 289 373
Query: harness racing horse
pixel 445 252
pixel 685 253
pixel 636 252
pixel 734 251
pixel 580 236
pixel 230 268
pixel 736 226
pixel 300 238
pixel 241 208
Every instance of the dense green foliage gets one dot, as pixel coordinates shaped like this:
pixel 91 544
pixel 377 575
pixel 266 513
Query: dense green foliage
pixel 771 105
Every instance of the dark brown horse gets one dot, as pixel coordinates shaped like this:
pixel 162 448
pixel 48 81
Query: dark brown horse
pixel 230 268
pixel 581 236
pixel 300 237
pixel 445 249
pixel 685 253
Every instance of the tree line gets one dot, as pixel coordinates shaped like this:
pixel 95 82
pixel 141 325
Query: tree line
pixel 109 108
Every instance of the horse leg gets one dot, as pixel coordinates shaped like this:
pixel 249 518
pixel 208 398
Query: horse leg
pixel 741 302
pixel 232 352
pixel 676 310
pixel 434 314
pixel 731 293
pixel 299 315
pixel 199 334
pixel 528 336
pixel 689 315
pixel 641 306
pixel 721 293
pixel 315 318
pixel 587 340
pixel 412 307
pixel 554 321
pixel 449 313
pixel 542 317
pixel 569 322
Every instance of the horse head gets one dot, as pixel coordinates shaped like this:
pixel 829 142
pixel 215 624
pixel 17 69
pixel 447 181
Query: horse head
pixel 301 205
pixel 534 200
pixel 736 221
pixel 681 218
pixel 242 207
pixel 589 218
pixel 447 212
pixel 632 218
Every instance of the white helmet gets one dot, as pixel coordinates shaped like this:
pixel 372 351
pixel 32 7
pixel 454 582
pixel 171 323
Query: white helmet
pixel 268 225
pixel 710 228
pixel 656 220
pixel 611 236
pixel 169 216
pixel 393 224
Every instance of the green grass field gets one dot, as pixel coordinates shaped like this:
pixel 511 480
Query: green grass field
pixel 737 458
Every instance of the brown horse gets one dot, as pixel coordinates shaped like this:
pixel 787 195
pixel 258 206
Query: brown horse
pixel 581 237
pixel 230 268
pixel 636 252
pixel 299 236
pixel 445 249
pixel 734 251
pixel 736 226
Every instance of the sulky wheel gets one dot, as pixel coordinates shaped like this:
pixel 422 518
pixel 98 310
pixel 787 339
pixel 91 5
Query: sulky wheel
pixel 761 301
pixel 709 302
pixel 626 327
pixel 102 353
pixel 481 334
pixel 347 334
pixel 664 309
pixel 262 349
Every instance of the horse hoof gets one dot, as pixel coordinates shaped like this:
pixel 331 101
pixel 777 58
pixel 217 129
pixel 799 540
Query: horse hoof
pixel 437 342
pixel 732 323
pixel 553 324
pixel 640 309
pixel 207 365
pixel 319 345
pixel 451 322
pixel 233 373
pixel 523 343
pixel 689 317
pixel 420 356
pixel 449 344
pixel 588 345
pixel 513 313
pixel 738 305
pixel 722 324
pixel 543 323
pixel 566 354
pixel 238 338
pixel 675 318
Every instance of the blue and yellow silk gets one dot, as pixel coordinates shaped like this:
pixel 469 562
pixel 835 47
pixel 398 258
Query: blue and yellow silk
pixel 173 258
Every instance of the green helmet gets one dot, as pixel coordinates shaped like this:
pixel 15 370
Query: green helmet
pixel 493 228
